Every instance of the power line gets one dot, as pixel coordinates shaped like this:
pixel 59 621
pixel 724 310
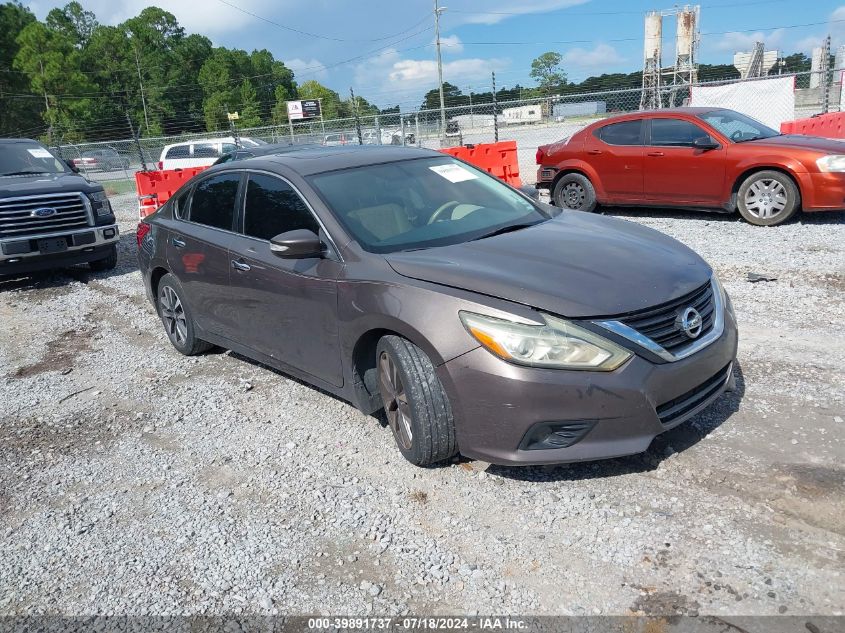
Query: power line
pixel 570 12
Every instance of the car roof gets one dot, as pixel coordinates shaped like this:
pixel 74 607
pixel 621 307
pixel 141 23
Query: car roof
pixel 10 141
pixel 225 139
pixel 308 162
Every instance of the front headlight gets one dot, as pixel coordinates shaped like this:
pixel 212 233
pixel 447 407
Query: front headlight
pixel 831 163
pixel 100 203
pixel 558 344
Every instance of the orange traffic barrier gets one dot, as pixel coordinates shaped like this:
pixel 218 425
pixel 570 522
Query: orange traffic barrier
pixel 830 125
pixel 499 159
pixel 155 187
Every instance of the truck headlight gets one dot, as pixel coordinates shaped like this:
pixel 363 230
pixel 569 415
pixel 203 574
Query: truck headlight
pixel 831 163
pixel 558 344
pixel 100 203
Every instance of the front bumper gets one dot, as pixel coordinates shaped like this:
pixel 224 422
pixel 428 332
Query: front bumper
pixel 21 254
pixel 496 404
pixel 822 191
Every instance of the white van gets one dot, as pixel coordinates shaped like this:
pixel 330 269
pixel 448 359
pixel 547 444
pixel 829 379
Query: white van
pixel 200 152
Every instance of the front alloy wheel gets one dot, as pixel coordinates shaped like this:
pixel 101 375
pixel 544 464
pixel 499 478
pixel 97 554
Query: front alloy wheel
pixel 395 402
pixel 767 198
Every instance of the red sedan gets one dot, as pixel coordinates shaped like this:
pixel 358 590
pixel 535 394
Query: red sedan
pixel 702 158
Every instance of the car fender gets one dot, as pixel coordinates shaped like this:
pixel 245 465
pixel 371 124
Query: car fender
pixel 778 162
pixel 578 165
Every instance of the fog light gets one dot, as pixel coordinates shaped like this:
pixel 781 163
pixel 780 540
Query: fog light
pixel 108 234
pixel 551 435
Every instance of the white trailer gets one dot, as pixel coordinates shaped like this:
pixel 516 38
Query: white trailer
pixel 522 114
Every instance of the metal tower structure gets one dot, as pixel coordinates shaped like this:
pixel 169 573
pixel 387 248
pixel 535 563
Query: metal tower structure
pixel 652 61
pixel 684 70
pixel 755 63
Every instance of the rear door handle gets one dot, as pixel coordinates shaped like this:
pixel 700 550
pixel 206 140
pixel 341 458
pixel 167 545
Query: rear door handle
pixel 594 152
pixel 178 242
pixel 655 154
pixel 238 265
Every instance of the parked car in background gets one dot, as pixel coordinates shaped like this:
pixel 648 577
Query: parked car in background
pixel 50 217
pixel 702 158
pixel 479 320
pixel 201 152
pixel 107 159
pixel 340 138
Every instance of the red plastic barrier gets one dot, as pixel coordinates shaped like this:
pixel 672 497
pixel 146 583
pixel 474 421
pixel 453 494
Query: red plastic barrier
pixel 499 159
pixel 826 125
pixel 156 187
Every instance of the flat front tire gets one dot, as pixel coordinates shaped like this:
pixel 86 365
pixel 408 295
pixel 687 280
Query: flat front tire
pixel 176 317
pixel 415 403
pixel 574 191
pixel 768 198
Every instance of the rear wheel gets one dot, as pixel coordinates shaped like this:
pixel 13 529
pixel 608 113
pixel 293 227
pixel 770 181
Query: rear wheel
pixel 415 402
pixel 767 198
pixel 176 318
pixel 574 191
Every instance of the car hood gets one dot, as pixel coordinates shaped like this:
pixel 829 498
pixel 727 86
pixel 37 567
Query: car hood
pixel 799 141
pixel 576 265
pixel 14 186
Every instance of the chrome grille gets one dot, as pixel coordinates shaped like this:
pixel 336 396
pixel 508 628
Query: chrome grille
pixel 660 323
pixel 17 219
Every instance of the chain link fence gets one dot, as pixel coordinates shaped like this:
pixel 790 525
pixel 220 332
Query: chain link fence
pixel 529 122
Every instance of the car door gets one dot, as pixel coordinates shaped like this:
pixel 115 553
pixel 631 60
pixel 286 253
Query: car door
pixel 676 172
pixel 198 250
pixel 615 151
pixel 287 307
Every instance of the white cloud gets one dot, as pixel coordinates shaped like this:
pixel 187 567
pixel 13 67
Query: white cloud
pixel 486 12
pixel 391 78
pixel 735 42
pixel 601 55
pixel 305 69
pixel 451 44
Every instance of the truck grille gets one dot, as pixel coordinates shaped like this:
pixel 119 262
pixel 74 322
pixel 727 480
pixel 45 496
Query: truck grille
pixel 660 323
pixel 18 217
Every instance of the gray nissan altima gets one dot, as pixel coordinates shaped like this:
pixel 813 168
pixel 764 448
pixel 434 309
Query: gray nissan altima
pixel 479 320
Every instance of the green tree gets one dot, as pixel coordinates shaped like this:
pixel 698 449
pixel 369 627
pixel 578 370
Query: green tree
pixel 249 110
pixel 452 96
pixel 279 113
pixel 547 72
pixel 74 22
pixel 19 112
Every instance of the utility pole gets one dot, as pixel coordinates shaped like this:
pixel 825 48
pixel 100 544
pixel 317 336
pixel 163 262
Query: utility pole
pixel 141 83
pixel 437 11
pixel 357 120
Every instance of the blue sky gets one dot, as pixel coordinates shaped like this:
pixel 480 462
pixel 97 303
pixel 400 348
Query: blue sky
pixel 384 48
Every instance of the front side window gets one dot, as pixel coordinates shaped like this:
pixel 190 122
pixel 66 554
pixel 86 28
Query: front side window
pixel 675 133
pixel 736 126
pixel 622 133
pixel 273 207
pixel 421 203
pixel 213 201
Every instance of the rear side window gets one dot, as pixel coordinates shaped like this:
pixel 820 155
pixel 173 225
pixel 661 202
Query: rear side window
pixel 622 133
pixel 674 133
pixel 205 151
pixel 273 207
pixel 178 151
pixel 213 201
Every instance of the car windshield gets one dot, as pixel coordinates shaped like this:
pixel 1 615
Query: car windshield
pixel 20 159
pixel 420 203
pixel 737 127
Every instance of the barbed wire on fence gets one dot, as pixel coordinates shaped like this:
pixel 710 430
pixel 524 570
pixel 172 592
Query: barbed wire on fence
pixel 531 122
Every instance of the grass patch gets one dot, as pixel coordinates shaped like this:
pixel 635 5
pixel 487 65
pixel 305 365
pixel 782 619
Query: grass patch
pixel 117 187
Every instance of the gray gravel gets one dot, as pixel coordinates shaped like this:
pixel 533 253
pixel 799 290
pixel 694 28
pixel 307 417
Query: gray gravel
pixel 135 480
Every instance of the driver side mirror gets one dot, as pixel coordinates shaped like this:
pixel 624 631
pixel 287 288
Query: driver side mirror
pixel 72 167
pixel 704 143
pixel 298 244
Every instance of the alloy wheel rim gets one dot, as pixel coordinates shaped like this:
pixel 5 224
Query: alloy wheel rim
pixel 395 401
pixel 574 195
pixel 765 198
pixel 173 315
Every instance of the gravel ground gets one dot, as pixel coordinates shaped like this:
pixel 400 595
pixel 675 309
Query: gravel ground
pixel 137 481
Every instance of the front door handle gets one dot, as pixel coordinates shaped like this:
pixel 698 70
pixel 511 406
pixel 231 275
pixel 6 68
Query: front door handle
pixel 238 265
pixel 655 154
pixel 178 242
pixel 594 152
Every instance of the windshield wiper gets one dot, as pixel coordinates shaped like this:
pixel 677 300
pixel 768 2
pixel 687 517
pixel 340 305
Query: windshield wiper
pixel 24 173
pixel 505 229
